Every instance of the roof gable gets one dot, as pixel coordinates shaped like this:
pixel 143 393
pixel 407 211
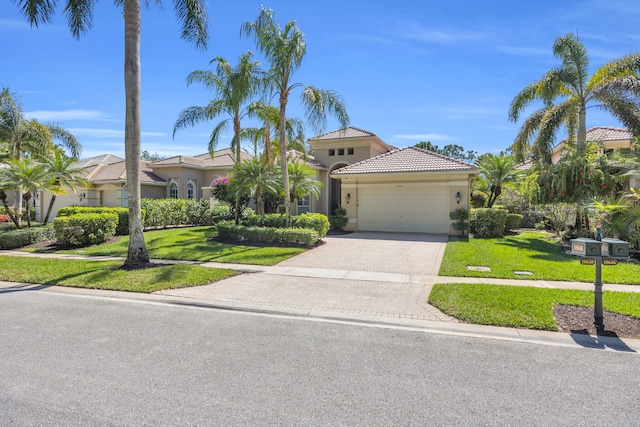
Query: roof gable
pixel 348 132
pixel 408 159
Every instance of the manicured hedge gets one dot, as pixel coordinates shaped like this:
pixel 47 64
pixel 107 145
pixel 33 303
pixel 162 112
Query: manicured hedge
pixel 85 229
pixel 313 221
pixel 123 215
pixel 488 222
pixel 294 236
pixel 27 236
pixel 513 221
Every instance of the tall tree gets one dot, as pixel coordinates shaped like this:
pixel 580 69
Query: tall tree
pixel 284 49
pixel 193 17
pixel 497 171
pixel 20 137
pixel 62 175
pixel 567 92
pixel 454 151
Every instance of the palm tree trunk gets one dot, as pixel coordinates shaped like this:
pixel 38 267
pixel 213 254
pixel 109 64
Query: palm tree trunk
pixel 11 215
pixel 27 197
pixel 582 128
pixel 282 140
pixel 236 136
pixel 49 209
pixel 137 256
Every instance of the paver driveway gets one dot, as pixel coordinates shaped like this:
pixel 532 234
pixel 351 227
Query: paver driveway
pixel 359 275
pixel 400 253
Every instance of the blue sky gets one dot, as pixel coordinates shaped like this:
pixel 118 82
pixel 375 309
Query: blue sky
pixel 409 71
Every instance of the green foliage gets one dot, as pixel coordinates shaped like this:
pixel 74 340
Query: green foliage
pixel 293 236
pixel 160 213
pixel 85 229
pixel 520 306
pixel 478 199
pixel 488 222
pixel 497 171
pixel 533 251
pixel 106 275
pixel 454 151
pixel 513 221
pixel 460 217
pixel 123 215
pixel 26 236
pixel 313 221
pixel 540 225
pixel 221 212
pixel 560 216
pixel 338 221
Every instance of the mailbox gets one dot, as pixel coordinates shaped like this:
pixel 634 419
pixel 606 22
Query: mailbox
pixel 615 248
pixel 585 247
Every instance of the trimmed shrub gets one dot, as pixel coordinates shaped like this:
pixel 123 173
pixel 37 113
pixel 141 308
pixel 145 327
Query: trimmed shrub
pixel 27 236
pixel 123 215
pixel 221 213
pixel 460 217
pixel 488 222
pixel 85 229
pixel 161 213
pixel 478 199
pixel 338 220
pixel 292 236
pixel 513 221
pixel 313 221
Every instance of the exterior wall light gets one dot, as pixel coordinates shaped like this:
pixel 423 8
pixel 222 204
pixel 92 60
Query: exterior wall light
pixel 458 197
pixel 348 197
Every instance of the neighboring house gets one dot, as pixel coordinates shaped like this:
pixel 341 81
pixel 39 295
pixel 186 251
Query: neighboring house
pixel 383 188
pixel 613 141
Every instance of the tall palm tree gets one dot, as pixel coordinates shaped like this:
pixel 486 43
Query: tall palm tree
pixel 284 49
pixel 233 88
pixel 568 91
pixel 193 17
pixel 62 175
pixel 497 171
pixel 25 176
pixel 20 136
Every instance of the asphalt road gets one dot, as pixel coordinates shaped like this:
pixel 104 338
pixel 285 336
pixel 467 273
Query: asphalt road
pixel 71 360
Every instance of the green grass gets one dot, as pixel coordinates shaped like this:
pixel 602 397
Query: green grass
pixel 106 275
pixel 191 244
pixel 520 306
pixel 529 251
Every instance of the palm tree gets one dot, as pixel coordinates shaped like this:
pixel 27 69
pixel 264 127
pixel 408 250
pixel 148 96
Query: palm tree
pixel 497 171
pixel 193 17
pixel 568 91
pixel 20 137
pixel 234 87
pixel 302 182
pixel 25 176
pixel 62 175
pixel 253 177
pixel 284 49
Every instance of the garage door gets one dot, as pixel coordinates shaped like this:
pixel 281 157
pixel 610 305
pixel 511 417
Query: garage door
pixel 404 209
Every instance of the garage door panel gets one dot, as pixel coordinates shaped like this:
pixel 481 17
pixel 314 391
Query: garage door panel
pixel 416 209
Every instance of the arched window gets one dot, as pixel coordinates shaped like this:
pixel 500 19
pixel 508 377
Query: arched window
pixel 173 190
pixel 191 190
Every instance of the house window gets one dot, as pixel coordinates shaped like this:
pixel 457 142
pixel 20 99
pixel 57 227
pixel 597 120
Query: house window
pixel 304 205
pixel 332 152
pixel 340 151
pixel 191 190
pixel 350 151
pixel 608 151
pixel 173 190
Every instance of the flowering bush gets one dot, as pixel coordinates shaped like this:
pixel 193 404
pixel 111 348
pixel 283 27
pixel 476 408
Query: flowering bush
pixel 4 218
pixel 220 188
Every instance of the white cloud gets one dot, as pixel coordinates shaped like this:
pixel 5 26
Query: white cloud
pixel 65 115
pixel 415 31
pixel 426 137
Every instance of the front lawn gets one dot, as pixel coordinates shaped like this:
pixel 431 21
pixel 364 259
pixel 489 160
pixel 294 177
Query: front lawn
pixel 520 306
pixel 106 275
pixel 192 244
pixel 533 252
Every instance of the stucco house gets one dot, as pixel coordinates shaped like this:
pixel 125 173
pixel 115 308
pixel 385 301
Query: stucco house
pixel 383 188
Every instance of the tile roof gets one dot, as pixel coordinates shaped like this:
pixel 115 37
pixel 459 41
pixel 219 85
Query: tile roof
pixel 408 159
pixel 309 160
pixel 105 159
pixel 608 133
pixel 348 132
pixel 118 172
pixel 224 158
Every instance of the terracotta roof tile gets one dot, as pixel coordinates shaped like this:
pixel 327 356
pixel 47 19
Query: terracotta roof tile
pixel 608 133
pixel 224 158
pixel 408 159
pixel 310 161
pixel 348 132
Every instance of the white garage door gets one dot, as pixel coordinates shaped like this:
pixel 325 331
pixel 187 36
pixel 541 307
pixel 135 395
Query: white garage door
pixel 404 209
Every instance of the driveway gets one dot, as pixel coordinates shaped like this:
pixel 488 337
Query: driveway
pixel 369 276
pixel 399 253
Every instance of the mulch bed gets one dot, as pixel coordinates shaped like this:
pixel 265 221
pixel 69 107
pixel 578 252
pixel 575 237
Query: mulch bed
pixel 579 320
